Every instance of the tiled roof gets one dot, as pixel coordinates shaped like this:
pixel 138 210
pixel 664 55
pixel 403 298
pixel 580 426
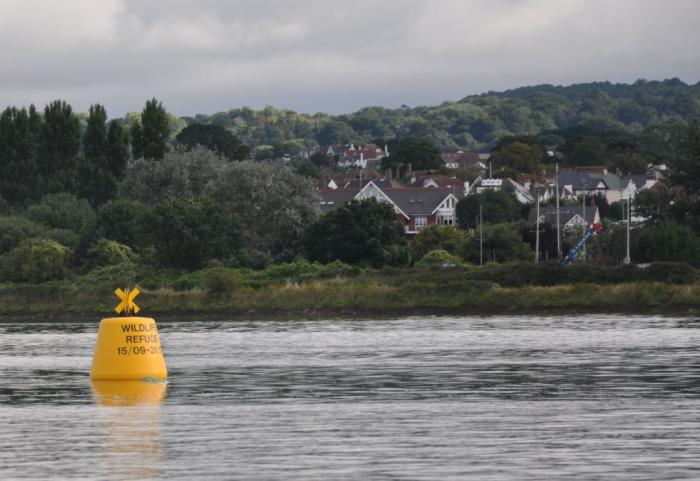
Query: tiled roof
pixel 565 214
pixel 417 201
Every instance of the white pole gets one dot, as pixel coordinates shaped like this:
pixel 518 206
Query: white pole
pixel 537 233
pixel 556 183
pixel 481 237
pixel 628 258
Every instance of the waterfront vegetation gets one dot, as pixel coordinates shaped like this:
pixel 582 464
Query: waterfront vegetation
pixel 203 215
pixel 304 289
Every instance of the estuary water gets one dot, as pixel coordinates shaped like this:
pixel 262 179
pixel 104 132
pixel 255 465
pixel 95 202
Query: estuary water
pixel 436 398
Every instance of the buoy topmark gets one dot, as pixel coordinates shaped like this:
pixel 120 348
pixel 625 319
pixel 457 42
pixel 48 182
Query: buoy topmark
pixel 128 348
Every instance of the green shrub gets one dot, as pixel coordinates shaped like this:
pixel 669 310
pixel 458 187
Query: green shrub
pixel 63 211
pixel 670 272
pixel 437 237
pixel 14 230
pixel 36 260
pixel 109 253
pixel 220 280
pixel 438 258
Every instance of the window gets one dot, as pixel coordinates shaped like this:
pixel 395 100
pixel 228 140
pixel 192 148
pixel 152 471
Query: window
pixel 421 222
pixel 446 220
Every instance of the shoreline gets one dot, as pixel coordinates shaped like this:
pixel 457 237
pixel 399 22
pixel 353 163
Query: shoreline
pixel 242 315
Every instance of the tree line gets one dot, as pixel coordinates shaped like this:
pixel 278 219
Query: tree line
pixel 475 122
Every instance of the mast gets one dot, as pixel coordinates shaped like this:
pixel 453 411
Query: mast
pixel 556 183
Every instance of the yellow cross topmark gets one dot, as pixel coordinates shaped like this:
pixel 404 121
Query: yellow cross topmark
pixel 127 301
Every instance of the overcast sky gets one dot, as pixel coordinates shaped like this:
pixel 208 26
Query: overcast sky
pixel 330 55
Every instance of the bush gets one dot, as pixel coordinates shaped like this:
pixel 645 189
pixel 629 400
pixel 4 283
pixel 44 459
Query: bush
pixel 124 221
pixel 14 230
pixel 63 211
pixel 435 237
pixel 36 260
pixel 109 253
pixel 220 280
pixel 438 258
pixel 671 272
pixel 191 233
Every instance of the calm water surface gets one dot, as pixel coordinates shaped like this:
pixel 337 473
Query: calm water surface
pixel 593 397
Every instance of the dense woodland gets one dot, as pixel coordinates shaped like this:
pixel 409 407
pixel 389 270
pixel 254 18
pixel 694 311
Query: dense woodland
pixel 80 192
pixel 475 122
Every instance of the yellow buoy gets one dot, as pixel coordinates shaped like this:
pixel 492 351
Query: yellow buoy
pixel 128 348
pixel 128 393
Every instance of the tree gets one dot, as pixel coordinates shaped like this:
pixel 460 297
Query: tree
pixel 588 150
pixel 59 144
pixel 420 154
pixel 149 137
pixel 335 132
pixel 96 170
pixel 307 169
pixel 117 149
pixel 36 260
pixel 497 207
pixel 663 242
pixel 20 179
pixel 214 138
pixel 189 233
pixel 124 221
pixel 437 237
pixel 321 159
pixel 522 158
pixel 686 168
pixel 502 243
pixel 63 211
pixel 180 175
pixel 273 204
pixel 360 232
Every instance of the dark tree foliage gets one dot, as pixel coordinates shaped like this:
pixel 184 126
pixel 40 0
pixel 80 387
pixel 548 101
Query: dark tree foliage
pixel 335 132
pixel 97 181
pixel 59 144
pixel 497 207
pixel 519 156
pixel 663 242
pixel 124 221
pixel 19 170
pixel 361 232
pixel 686 168
pixel 136 137
pixel 189 233
pixel 419 154
pixel 117 149
pixel 215 138
pixel 308 170
pixel 150 137
pixel 321 159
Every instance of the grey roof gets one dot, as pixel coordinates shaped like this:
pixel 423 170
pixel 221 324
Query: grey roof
pixel 565 214
pixel 334 198
pixel 383 183
pixel 639 180
pixel 579 179
pixel 611 180
pixel 418 201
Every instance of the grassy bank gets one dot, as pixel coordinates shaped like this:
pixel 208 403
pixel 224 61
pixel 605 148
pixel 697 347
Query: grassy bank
pixel 311 290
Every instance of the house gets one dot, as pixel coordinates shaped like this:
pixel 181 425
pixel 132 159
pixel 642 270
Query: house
pixel 415 208
pixel 459 159
pixel 569 217
pixel 613 187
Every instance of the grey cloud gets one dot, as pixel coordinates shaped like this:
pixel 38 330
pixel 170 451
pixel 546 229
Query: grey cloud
pixel 335 56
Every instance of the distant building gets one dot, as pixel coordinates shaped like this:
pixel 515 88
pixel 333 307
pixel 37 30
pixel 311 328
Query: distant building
pixel 415 208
